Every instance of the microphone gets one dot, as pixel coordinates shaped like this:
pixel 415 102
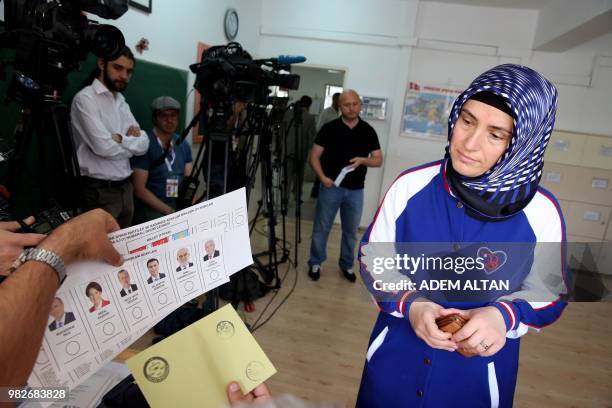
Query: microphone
pixel 282 60
pixel 290 59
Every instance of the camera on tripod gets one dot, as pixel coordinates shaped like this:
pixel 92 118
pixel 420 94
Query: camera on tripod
pixel 244 136
pixel 51 38
pixel 228 72
pixel 226 75
pixel 44 223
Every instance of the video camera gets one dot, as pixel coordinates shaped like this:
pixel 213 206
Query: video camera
pixel 51 38
pixel 228 72
pixel 45 222
pixel 234 86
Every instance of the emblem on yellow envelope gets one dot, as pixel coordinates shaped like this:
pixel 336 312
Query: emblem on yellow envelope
pixel 225 329
pixel 205 357
pixel 156 369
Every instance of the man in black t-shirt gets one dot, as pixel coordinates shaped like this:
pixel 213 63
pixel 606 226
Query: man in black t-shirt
pixel 342 151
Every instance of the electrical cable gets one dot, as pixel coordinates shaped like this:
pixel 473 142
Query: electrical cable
pixel 291 263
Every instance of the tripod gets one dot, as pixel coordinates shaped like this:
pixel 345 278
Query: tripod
pixel 299 149
pixel 222 165
pixel 271 178
pixel 231 158
pixel 44 170
pixel 216 139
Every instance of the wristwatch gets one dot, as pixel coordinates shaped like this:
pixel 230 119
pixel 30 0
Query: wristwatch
pixel 45 256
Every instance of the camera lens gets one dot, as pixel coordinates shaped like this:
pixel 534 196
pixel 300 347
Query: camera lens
pixel 105 41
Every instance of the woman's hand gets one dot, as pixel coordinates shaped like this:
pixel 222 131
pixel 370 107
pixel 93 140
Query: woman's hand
pixel 422 315
pixel 259 393
pixel 485 332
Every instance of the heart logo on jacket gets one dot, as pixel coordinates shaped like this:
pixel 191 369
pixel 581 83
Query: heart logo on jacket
pixel 492 260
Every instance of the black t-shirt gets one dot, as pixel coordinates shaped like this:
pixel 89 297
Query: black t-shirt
pixel 341 144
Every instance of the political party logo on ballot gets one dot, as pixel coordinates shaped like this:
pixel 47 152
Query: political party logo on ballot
pixel 156 369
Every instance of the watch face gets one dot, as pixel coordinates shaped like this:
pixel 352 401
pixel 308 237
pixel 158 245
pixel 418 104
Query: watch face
pixel 231 24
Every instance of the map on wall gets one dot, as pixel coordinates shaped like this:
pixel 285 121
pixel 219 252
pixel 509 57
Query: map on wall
pixel 426 109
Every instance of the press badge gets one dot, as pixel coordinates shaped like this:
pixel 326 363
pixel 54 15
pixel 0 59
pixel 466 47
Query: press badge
pixel 172 187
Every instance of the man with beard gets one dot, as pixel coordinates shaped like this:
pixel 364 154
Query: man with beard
pixel 107 135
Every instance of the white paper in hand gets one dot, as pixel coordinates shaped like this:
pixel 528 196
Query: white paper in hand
pixel 346 170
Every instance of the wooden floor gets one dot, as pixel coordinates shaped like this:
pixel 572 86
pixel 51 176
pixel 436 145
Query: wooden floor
pixel 317 341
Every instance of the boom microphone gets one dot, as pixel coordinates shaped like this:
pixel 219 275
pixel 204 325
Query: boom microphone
pixel 289 59
pixel 282 60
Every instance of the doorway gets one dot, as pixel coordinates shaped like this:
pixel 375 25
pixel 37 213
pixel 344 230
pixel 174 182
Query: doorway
pixel 320 84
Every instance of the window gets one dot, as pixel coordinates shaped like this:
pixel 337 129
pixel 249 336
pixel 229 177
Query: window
pixel 330 90
pixel 278 91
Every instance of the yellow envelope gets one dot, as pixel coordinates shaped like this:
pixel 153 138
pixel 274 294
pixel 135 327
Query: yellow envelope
pixel 193 367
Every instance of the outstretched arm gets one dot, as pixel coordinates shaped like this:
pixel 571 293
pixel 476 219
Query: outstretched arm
pixel 26 295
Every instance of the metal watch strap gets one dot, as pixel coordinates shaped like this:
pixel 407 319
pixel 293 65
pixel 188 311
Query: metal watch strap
pixel 45 256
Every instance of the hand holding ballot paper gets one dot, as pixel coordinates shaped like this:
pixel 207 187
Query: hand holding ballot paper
pixel 164 260
pixel 193 367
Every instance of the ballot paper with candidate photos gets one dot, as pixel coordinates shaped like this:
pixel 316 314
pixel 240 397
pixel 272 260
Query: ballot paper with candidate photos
pixel 193 367
pixel 100 310
pixel 91 392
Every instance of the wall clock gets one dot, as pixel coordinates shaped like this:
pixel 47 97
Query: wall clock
pixel 231 24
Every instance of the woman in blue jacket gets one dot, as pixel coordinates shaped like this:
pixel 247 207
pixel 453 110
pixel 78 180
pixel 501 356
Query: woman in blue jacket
pixel 481 201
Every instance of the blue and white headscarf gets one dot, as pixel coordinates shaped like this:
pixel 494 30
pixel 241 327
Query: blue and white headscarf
pixel 510 184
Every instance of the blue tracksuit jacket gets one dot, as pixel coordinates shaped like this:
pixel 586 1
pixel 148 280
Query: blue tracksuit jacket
pixel 401 370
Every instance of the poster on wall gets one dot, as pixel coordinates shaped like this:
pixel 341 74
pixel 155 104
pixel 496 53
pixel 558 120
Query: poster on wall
pixel 373 108
pixel 426 110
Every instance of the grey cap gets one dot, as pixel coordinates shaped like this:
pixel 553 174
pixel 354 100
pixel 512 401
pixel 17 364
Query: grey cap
pixel 165 102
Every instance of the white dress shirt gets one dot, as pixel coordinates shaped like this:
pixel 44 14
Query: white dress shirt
pixel 96 114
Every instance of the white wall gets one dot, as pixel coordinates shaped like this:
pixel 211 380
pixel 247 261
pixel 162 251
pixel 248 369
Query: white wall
pixel 369 40
pixel 476 25
pixel 456 43
pixel 566 23
pixel 383 45
pixel 380 18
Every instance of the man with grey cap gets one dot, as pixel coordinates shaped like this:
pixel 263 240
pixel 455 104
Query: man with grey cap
pixel 158 173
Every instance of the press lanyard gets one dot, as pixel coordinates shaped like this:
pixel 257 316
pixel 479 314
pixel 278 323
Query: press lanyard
pixel 170 154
